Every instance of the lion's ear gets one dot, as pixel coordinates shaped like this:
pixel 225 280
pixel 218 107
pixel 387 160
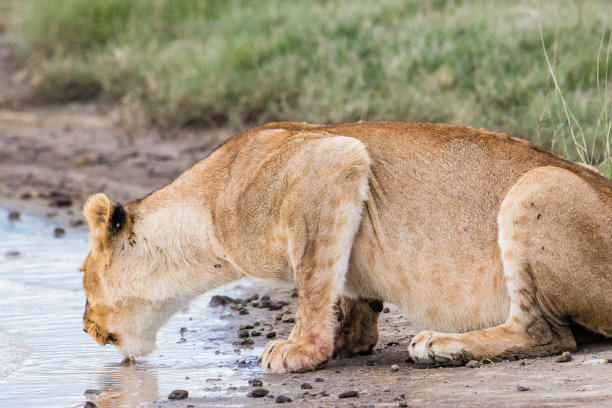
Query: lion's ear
pixel 97 211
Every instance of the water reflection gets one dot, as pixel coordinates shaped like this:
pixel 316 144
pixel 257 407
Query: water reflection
pixel 126 385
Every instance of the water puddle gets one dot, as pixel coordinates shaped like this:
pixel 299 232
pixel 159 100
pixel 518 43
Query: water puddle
pixel 47 360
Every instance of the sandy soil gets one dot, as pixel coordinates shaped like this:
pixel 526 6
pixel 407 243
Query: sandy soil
pixel 52 158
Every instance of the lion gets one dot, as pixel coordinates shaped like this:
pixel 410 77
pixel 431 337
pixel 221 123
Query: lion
pixel 494 246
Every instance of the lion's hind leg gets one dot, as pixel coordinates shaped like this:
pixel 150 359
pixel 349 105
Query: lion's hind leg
pixel 555 238
pixel 357 330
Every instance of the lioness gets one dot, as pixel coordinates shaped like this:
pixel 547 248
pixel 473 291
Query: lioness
pixel 496 243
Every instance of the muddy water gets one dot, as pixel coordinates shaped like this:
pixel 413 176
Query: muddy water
pixel 47 360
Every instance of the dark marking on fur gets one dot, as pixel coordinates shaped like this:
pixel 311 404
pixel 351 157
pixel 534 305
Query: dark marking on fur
pixel 376 306
pixel 117 219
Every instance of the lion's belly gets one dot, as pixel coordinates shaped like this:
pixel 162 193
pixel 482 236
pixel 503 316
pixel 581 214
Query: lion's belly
pixel 451 288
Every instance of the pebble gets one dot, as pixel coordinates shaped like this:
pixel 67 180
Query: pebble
pixel 257 323
pixel 394 367
pixel 287 319
pixel 245 326
pixel 564 357
pixel 178 394
pixel 218 300
pixel 282 399
pixel 473 364
pixel 259 393
pixel 243 311
pixel 271 335
pixel 279 316
pixel 265 297
pixel 243 334
pixel 90 404
pixel 256 383
pixel 255 333
pixel 248 342
pixel 306 386
pixel 12 254
pixel 386 389
pixel 59 232
pixel 348 394
pixel 402 404
pixel 59 199
pixel 319 379
pixel 90 391
pixel 294 293
pixel 14 216
pixel 522 386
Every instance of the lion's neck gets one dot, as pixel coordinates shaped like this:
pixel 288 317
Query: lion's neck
pixel 175 245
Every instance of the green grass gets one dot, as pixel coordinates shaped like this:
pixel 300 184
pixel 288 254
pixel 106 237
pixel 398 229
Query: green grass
pixel 242 62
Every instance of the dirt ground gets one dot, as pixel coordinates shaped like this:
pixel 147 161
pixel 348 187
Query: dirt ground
pixel 52 158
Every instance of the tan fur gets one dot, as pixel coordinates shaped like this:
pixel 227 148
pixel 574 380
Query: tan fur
pixel 470 232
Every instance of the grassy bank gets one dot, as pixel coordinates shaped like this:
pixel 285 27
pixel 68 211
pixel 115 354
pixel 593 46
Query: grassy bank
pixel 241 61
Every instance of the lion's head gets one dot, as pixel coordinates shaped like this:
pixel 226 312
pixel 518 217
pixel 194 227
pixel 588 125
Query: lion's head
pixel 119 308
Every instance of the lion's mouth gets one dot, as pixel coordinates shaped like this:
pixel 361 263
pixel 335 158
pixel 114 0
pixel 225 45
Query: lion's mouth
pixel 94 331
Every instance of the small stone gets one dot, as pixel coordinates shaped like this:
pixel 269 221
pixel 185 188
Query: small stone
pixel 473 364
pixel 282 399
pixel 90 404
pixel 90 391
pixel 564 357
pixel 348 394
pixel 59 199
pixel 403 404
pixel 386 389
pixel 271 335
pixel 386 310
pixel 259 393
pixel 394 367
pixel 255 333
pixel 248 342
pixel 178 394
pixel 306 386
pixel 59 232
pixel 279 316
pixel 256 382
pixel 243 334
pixel 12 254
pixel 265 297
pixel 243 311
pixel 319 379
pixel 14 216
pixel 294 293
pixel 257 323
pixel 522 363
pixel 253 297
pixel 76 223
pixel 287 319
pixel 245 327
pixel 182 330
pixel 522 386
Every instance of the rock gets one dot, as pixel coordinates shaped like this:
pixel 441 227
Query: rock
pixel 402 404
pixel 306 386
pixel 259 393
pixel 178 395
pixel 271 335
pixel 256 382
pixel 282 399
pixel 522 386
pixel 243 311
pixel 473 364
pixel 12 254
pixel 279 316
pixel 253 297
pixel 246 327
pixel 319 379
pixel 265 297
pixel 394 367
pixel 248 342
pixel 386 389
pixel 14 216
pixel 76 223
pixel 59 232
pixel 564 357
pixel 294 293
pixel 348 394
pixel 243 334
pixel 90 404
pixel 287 319
pixel 90 391
pixel 59 199
pixel 257 323
pixel 255 333
pixel 218 300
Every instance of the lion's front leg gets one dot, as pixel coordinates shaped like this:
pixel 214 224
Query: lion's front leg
pixel 357 328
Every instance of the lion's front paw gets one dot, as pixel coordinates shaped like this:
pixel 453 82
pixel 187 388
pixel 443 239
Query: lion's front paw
pixel 283 356
pixel 429 347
